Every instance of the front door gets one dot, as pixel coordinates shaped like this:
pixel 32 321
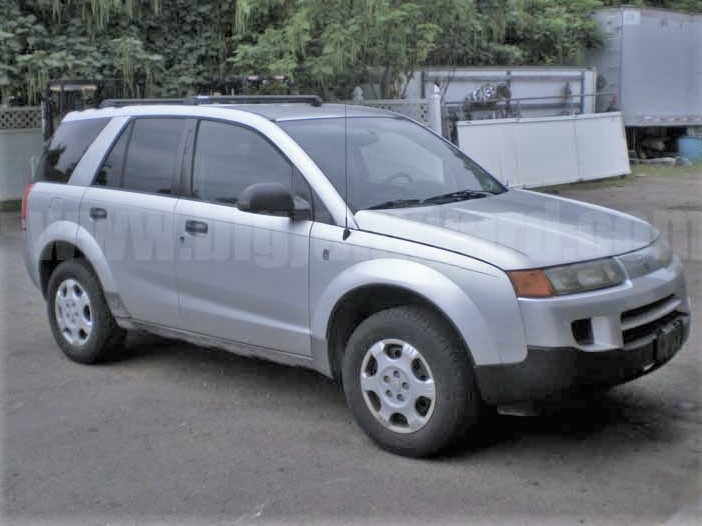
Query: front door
pixel 241 276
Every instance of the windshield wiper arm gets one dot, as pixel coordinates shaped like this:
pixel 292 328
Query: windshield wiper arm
pixel 396 203
pixel 461 195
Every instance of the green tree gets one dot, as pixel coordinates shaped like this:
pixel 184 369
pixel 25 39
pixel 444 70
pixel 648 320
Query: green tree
pixel 327 46
pixel 323 42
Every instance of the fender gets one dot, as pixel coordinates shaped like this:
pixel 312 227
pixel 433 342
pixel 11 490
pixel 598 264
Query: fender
pixel 61 231
pixel 421 279
pixel 95 255
pixel 74 234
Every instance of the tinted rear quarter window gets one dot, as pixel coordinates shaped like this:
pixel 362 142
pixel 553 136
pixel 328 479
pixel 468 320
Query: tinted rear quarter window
pixel 111 171
pixel 66 148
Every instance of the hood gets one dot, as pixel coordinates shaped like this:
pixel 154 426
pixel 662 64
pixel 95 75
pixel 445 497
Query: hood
pixel 517 229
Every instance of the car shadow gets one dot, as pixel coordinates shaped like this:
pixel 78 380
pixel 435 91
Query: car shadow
pixel 206 364
pixel 613 420
pixel 583 419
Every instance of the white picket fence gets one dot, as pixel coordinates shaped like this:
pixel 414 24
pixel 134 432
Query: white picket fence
pixel 427 111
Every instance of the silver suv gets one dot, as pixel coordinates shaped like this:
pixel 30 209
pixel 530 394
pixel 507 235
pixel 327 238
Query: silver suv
pixel 347 240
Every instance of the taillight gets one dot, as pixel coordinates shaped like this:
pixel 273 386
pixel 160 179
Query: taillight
pixel 23 208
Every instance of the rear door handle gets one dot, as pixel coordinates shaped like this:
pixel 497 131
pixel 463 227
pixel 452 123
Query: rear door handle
pixel 195 227
pixel 98 213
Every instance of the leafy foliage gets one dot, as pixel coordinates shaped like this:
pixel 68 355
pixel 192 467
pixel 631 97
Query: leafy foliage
pixel 174 48
pixel 320 43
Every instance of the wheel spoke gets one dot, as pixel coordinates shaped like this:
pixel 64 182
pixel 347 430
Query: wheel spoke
pixel 381 358
pixel 84 325
pixel 409 354
pixel 385 412
pixel 414 419
pixel 60 301
pixel 67 287
pixel 371 383
pixel 70 334
pixel 60 319
pixel 425 388
pixel 83 300
pixel 59 304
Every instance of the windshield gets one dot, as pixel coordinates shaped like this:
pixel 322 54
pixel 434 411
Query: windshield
pixel 392 162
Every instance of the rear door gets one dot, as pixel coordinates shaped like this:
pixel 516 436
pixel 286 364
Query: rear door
pixel 241 276
pixel 129 210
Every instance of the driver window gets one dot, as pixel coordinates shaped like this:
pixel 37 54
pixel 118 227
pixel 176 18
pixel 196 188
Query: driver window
pixel 228 158
pixel 394 158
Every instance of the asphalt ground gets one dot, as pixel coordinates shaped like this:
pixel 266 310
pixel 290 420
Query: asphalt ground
pixel 177 434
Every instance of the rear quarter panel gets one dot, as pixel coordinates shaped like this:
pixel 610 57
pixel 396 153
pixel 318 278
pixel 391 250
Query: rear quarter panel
pixel 52 215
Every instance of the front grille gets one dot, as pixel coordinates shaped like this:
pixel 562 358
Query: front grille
pixel 648 329
pixel 634 313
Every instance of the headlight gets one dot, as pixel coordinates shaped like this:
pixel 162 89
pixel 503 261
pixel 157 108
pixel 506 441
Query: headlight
pixel 661 254
pixel 582 277
pixel 568 279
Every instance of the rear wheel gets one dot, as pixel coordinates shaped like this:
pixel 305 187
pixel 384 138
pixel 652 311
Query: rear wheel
pixel 80 319
pixel 409 382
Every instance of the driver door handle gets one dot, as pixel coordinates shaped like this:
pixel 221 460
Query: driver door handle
pixel 195 227
pixel 98 213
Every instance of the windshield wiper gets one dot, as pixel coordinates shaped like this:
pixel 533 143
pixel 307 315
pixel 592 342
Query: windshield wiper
pixel 397 203
pixel 461 195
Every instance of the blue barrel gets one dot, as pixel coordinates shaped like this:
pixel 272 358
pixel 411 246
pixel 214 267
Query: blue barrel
pixel 690 147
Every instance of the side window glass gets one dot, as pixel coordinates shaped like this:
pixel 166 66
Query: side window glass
pixel 66 148
pixel 112 169
pixel 229 158
pixel 301 189
pixel 152 155
pixel 321 213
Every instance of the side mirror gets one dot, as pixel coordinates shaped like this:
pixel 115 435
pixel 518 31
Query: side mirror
pixel 273 199
pixel 302 210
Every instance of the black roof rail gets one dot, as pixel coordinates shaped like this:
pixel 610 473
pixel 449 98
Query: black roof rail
pixel 314 100
pixel 119 103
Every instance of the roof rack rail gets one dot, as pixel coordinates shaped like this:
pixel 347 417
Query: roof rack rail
pixel 119 103
pixel 314 100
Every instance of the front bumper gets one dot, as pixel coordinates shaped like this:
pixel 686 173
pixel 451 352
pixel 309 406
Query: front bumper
pixel 553 372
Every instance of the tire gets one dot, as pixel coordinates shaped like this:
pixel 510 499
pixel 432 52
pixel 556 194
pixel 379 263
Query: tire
pixel 82 324
pixel 428 351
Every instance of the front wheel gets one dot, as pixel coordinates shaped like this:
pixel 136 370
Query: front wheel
pixel 408 381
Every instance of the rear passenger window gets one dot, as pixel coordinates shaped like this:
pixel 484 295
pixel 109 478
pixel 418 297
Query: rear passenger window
pixel 66 148
pixel 228 158
pixel 151 159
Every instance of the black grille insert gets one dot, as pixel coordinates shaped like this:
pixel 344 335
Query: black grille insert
pixel 582 331
pixel 648 329
pixel 633 313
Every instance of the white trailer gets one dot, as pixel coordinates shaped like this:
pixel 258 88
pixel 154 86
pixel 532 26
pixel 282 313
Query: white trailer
pixel 650 66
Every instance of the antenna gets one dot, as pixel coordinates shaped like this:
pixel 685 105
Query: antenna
pixel 347 232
